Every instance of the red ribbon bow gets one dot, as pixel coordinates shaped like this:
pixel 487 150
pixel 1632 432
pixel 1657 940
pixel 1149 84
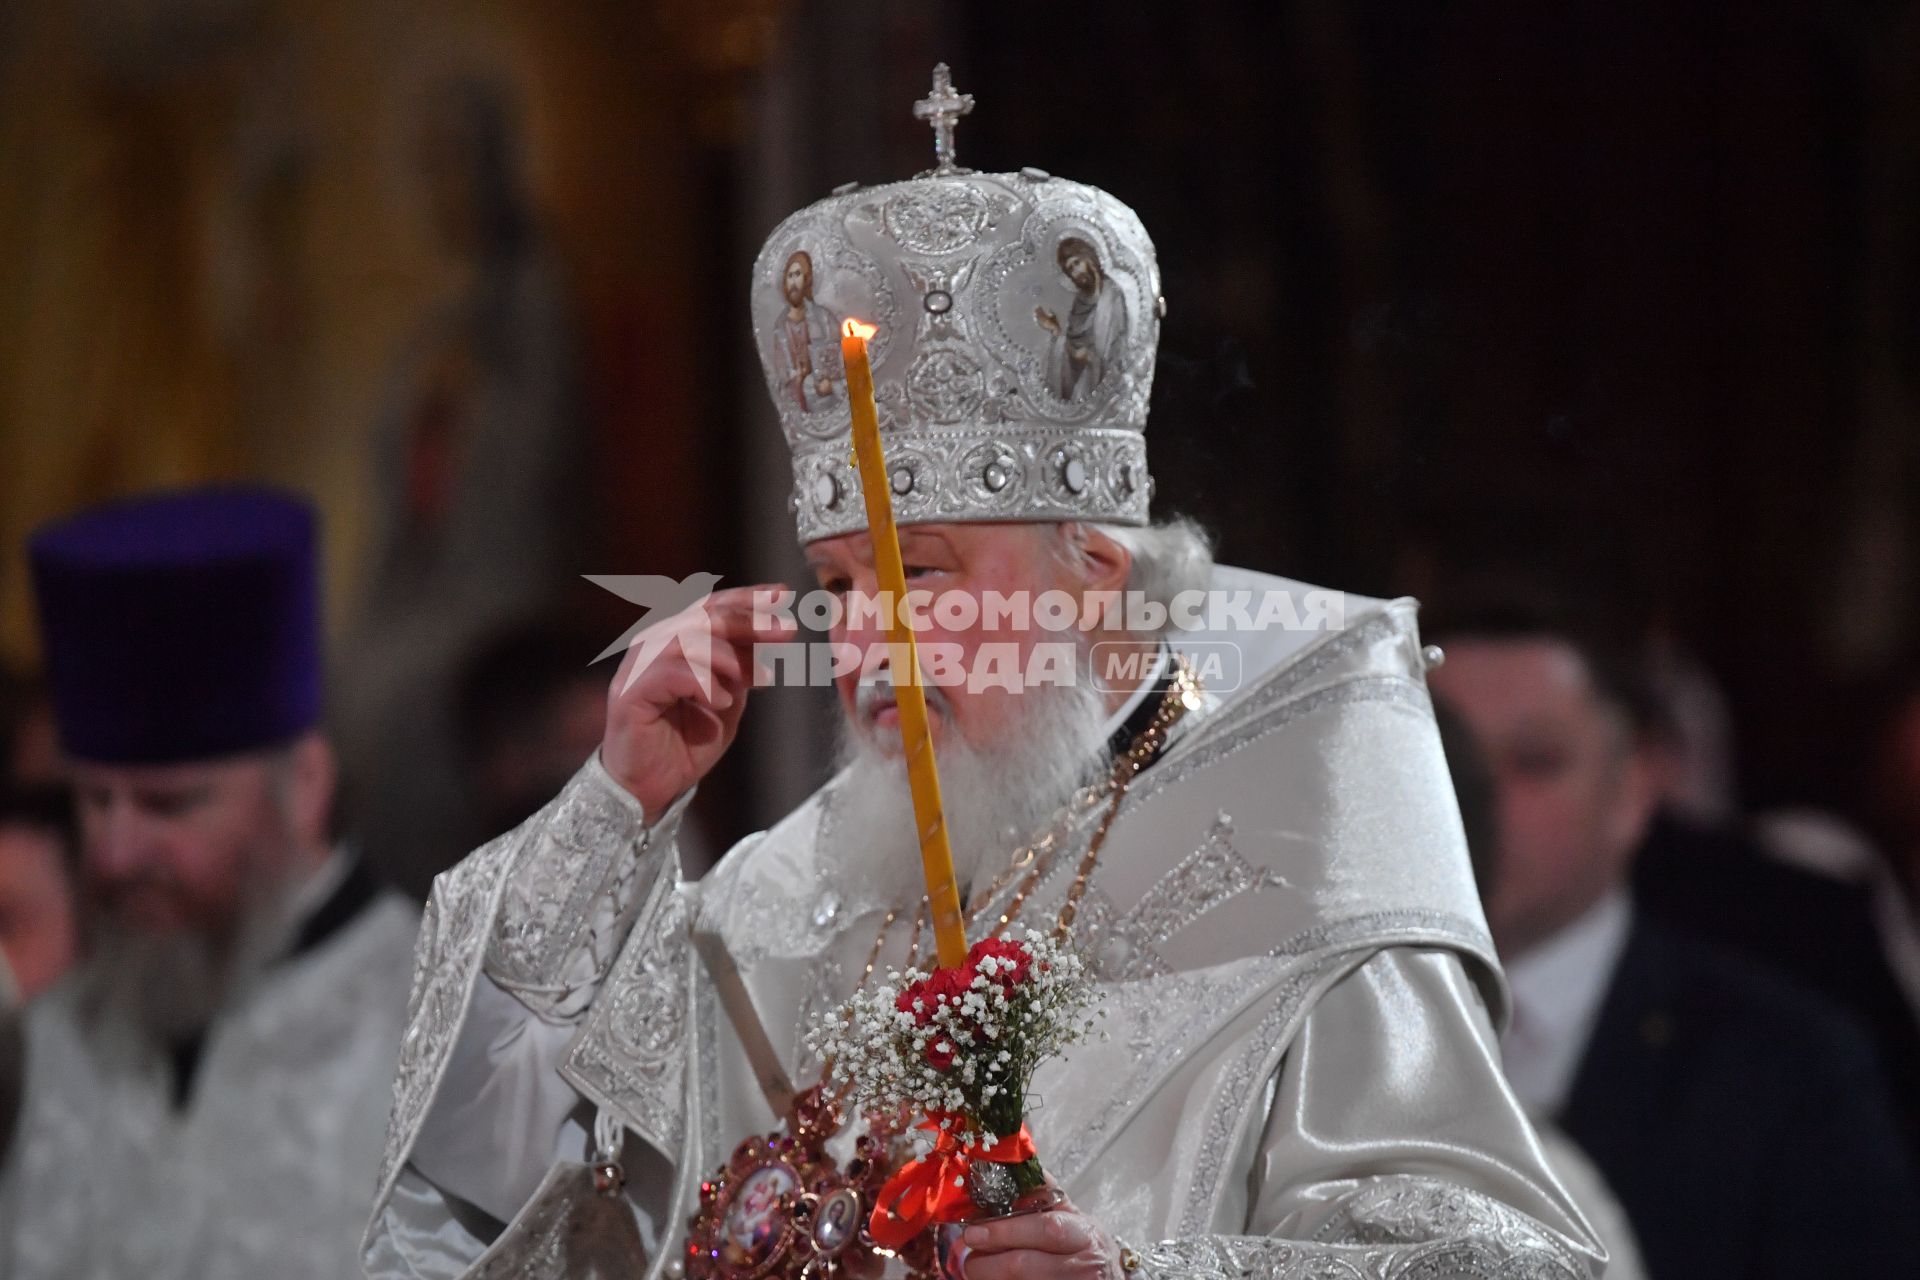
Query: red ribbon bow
pixel 934 1187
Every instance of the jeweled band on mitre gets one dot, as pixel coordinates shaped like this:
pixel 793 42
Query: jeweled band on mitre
pixel 1018 318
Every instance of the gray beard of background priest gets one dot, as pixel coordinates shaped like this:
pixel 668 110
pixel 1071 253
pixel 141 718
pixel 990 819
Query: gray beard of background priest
pixel 1301 1076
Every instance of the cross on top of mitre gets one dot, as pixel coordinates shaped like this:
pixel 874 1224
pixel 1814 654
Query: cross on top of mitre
pixel 942 109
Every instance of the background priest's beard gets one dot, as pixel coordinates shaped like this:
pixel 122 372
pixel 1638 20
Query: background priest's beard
pixel 169 986
pixel 998 794
pixel 166 987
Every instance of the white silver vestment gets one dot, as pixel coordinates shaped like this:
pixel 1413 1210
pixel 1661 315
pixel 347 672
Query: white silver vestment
pixel 267 1173
pixel 1301 1077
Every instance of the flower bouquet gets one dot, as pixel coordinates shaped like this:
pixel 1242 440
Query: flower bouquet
pixel 958 1047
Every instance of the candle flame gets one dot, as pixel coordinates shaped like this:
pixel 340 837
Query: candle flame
pixel 854 329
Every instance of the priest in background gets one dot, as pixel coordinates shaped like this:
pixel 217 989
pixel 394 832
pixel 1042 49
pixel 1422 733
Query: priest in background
pixel 204 1096
pixel 1301 1076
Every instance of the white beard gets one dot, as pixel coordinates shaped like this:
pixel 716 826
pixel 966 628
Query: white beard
pixel 996 798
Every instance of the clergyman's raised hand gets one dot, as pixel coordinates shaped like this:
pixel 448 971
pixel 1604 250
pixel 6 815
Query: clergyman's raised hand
pixel 670 720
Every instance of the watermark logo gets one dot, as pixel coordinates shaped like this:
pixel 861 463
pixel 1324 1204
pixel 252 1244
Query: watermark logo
pixel 669 603
pixel 1119 666
pixel 963 636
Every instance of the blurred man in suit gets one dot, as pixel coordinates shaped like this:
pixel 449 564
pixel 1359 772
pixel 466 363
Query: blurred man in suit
pixel 1736 1117
pixel 1473 785
pixel 1845 929
pixel 1837 908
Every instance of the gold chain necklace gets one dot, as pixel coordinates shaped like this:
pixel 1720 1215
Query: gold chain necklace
pixel 879 940
pixel 1183 695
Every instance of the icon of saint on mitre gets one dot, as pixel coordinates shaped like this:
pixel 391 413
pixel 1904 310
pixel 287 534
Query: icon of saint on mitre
pixel 806 339
pixel 1091 338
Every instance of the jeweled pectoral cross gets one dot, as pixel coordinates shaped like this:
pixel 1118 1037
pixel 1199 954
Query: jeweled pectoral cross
pixel 942 109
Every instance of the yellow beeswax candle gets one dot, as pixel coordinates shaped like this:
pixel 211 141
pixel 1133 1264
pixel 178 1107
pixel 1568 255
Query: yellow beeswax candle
pixel 923 774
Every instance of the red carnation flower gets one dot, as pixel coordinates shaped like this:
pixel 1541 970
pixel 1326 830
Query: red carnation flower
pixel 943 984
pixel 1000 949
pixel 940 1054
pixel 951 984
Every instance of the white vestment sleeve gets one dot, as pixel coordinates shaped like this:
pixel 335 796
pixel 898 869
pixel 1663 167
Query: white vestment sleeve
pixel 503 1114
pixel 1397 1071
pixel 498 1115
pixel 1393 1138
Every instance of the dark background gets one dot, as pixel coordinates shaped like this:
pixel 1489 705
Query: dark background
pixel 1620 293
pixel 1624 292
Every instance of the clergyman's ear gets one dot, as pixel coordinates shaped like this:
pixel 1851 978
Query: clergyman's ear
pixel 1105 564
pixel 313 778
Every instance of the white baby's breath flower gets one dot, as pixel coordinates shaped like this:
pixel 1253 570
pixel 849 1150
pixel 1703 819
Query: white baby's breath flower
pixel 988 1035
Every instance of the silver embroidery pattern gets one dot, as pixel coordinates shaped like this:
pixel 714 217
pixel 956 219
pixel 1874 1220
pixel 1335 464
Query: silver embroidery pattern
pixel 1388 689
pixel 1393 1228
pixel 1292 677
pixel 929 218
pixel 1416 1210
pixel 1181 1009
pixel 1208 878
pixel 761 921
pixel 1113 955
pixel 630 1056
pixel 586 843
pixel 453 933
pixel 707 1009
pixel 758 919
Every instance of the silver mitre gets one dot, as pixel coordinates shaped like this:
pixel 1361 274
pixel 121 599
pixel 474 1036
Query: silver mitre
pixel 1018 317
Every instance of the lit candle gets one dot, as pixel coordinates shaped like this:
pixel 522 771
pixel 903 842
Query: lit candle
pixel 916 737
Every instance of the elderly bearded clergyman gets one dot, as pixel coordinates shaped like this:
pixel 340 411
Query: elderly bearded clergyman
pixel 1300 1075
